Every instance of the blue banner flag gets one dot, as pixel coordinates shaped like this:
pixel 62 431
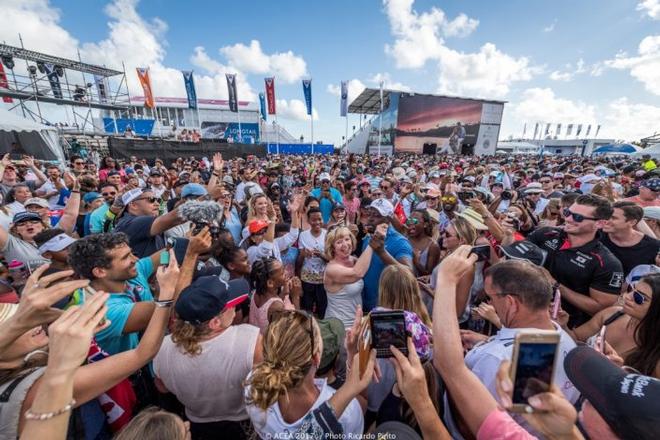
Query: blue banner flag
pixel 190 88
pixel 343 108
pixel 307 90
pixel 262 106
pixel 233 94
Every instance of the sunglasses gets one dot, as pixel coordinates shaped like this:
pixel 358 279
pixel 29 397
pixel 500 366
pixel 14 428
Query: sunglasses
pixel 449 199
pixel 384 187
pixel 109 194
pixel 577 218
pixel 79 163
pixel 151 199
pixel 430 198
pixel 638 296
pixel 412 221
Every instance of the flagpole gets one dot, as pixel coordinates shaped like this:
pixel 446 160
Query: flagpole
pixel 311 112
pixel 380 117
pixel 277 129
pixel 238 114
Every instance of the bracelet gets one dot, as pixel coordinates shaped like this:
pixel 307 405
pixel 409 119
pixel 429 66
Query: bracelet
pixel 164 303
pixel 75 191
pixel 29 415
pixel 216 174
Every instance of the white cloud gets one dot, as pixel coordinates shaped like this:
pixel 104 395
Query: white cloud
pixel 286 66
pixel 645 67
pixel 561 76
pixel 650 8
pixel 619 118
pixel 294 109
pixel 355 87
pixel 388 83
pixel 419 38
pixel 551 26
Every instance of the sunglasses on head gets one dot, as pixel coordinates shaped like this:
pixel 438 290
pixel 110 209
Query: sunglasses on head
pixel 577 218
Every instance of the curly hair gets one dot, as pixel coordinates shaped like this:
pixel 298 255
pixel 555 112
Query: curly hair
pixel 260 274
pixel 92 251
pixel 187 336
pixel 288 355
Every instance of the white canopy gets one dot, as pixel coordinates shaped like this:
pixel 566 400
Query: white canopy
pixel 34 139
pixel 653 150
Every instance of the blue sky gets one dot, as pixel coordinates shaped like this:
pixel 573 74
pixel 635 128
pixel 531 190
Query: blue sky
pixel 590 61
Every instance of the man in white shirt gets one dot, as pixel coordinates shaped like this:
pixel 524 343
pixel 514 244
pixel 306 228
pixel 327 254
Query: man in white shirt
pixel 51 189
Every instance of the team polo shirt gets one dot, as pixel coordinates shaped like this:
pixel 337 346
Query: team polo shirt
pixel 120 305
pixel 643 252
pixel 138 229
pixel 398 247
pixel 579 268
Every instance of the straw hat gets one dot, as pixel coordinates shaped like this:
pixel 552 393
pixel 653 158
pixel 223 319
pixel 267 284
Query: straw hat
pixel 474 218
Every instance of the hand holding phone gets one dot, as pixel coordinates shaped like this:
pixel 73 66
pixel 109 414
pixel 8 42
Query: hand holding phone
pixel 388 328
pixel 482 252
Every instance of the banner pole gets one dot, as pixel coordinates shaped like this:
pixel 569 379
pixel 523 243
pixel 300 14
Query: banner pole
pixel 346 136
pixel 238 114
pixel 277 129
pixel 380 117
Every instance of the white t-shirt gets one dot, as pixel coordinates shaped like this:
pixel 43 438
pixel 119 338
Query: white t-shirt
pixel 271 424
pixel 210 385
pixel 50 187
pixel 313 267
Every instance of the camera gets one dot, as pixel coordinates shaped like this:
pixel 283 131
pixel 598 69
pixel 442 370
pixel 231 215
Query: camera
pixel 506 195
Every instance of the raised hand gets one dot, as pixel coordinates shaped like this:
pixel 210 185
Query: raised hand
pixel 201 242
pixel 455 265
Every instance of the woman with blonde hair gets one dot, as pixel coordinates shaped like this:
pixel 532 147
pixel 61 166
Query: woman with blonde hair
pixel 399 290
pixel 281 391
pixel 551 213
pixel 343 275
pixel 155 424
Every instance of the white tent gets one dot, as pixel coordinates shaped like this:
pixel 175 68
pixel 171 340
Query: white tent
pixel 653 150
pixel 34 139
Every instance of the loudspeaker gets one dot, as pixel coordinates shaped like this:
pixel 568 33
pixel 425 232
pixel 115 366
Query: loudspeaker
pixel 467 149
pixel 429 149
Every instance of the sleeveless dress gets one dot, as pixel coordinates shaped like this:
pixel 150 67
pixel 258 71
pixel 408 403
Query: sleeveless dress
pixel 259 315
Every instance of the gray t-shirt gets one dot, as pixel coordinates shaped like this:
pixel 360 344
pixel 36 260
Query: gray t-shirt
pixel 17 249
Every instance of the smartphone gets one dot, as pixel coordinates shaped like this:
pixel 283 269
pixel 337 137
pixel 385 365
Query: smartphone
pixel 532 365
pixel 556 303
pixel 464 196
pixel 482 252
pixel 388 328
pixel 164 258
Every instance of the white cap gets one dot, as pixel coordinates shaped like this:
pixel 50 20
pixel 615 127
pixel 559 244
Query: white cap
pixel 588 178
pixel 56 244
pixel 383 206
pixel 131 195
pixel 533 188
pixel 324 176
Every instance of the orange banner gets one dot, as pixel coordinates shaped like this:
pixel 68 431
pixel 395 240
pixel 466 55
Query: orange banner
pixel 143 75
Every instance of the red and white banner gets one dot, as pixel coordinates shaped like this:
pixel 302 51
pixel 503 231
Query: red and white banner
pixel 4 84
pixel 143 75
pixel 270 94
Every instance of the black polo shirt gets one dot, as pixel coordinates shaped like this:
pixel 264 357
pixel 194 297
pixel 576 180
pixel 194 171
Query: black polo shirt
pixel 138 229
pixel 643 252
pixel 579 268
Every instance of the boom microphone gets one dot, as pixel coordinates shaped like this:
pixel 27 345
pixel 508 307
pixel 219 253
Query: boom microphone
pixel 202 213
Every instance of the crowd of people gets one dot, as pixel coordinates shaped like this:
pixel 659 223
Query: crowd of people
pixel 211 298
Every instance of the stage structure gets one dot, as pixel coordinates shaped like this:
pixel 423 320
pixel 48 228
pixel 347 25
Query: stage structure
pixel 425 124
pixel 28 77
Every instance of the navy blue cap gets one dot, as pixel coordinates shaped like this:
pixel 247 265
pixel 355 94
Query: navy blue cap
pixel 208 296
pixel 25 216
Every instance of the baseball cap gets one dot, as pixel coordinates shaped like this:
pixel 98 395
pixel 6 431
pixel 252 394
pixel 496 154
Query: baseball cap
pixel 131 195
pixel 208 296
pixel 640 271
pixel 332 333
pixel 56 244
pixel 525 250
pixel 257 225
pixel 337 206
pixel 193 189
pixel 629 403
pixel 652 212
pixel 324 176
pixel 91 196
pixel 36 201
pixel 383 207
pixel 155 172
pixel 25 216
pixel 228 179
pixel 652 184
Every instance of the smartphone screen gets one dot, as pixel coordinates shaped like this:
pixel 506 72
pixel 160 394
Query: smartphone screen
pixel 534 370
pixel 388 328
pixel 482 252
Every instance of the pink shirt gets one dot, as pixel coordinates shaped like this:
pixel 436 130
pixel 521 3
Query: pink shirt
pixel 259 315
pixel 500 426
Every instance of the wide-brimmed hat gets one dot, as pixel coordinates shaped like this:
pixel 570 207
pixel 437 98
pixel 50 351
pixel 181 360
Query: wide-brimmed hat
pixel 474 218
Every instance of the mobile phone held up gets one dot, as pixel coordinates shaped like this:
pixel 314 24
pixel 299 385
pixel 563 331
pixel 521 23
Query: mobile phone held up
pixel 532 366
pixel 482 252
pixel 388 328
pixel 165 254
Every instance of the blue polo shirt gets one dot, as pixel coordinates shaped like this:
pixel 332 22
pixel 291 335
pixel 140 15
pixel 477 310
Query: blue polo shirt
pixel 398 247
pixel 120 305
pixel 97 219
pixel 326 205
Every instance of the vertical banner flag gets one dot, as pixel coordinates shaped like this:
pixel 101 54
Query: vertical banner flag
pixel 189 82
pixel 343 108
pixel 143 76
pixel 547 129
pixel 588 131
pixel 4 84
pixel 597 131
pixel 53 79
pixel 231 88
pixel 524 130
pixel 558 132
pixel 307 91
pixel 536 130
pixel 262 105
pixel 270 94
pixel 101 87
pixel 569 130
pixel 579 130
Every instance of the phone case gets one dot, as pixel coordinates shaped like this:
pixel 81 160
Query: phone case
pixel 364 343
